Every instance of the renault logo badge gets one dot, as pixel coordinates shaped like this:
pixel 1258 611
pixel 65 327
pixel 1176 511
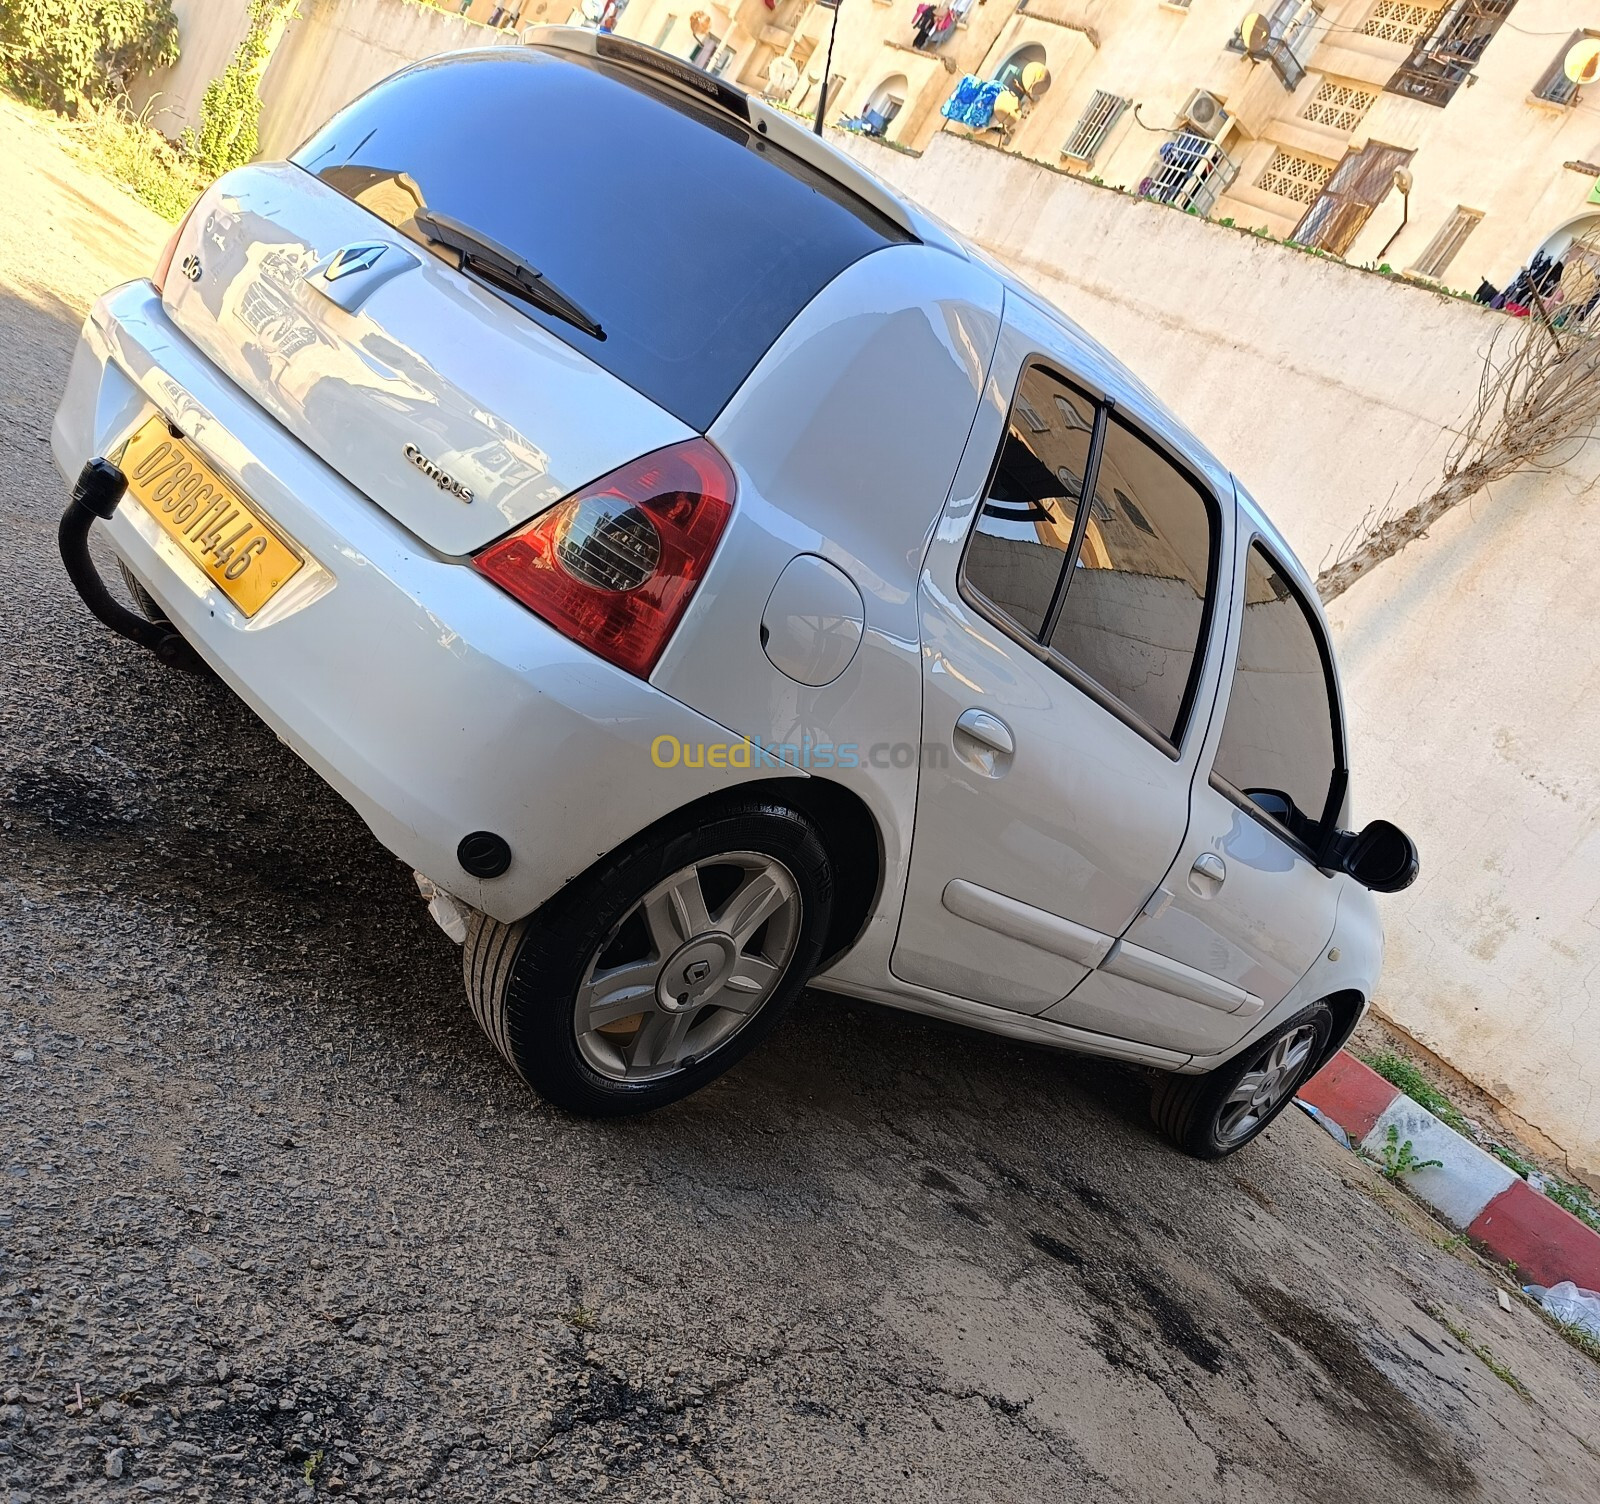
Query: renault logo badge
pixel 353 258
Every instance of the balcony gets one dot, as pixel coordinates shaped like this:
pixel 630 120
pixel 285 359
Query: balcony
pixel 1191 172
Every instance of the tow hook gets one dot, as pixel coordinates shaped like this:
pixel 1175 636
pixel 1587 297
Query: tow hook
pixel 99 488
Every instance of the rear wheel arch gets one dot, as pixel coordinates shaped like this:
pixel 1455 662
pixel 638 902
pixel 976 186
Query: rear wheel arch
pixel 849 834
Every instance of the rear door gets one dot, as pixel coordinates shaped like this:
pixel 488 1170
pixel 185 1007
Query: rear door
pixel 1069 665
pixel 330 290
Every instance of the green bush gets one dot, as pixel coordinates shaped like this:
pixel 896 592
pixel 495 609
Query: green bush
pixel 230 109
pixel 60 52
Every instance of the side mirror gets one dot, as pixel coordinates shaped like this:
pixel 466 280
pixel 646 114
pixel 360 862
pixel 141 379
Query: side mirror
pixel 1383 857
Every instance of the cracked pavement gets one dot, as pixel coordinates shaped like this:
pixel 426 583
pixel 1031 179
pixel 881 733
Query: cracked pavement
pixel 275 1223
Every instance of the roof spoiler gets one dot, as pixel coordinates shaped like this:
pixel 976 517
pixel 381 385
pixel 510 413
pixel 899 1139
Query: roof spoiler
pixel 746 109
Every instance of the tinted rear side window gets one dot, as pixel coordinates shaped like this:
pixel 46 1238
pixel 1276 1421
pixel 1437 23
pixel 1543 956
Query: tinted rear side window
pixel 690 238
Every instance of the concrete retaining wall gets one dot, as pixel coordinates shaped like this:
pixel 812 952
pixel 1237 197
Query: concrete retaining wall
pixel 332 51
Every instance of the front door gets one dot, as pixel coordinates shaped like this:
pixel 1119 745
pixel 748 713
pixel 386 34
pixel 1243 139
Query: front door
pixel 1066 685
pixel 1245 910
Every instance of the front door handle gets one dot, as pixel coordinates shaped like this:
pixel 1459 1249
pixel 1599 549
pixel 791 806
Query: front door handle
pixel 984 742
pixel 1207 874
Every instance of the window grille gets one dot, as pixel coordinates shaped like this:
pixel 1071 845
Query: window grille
pixel 1554 87
pixel 1340 106
pixel 1444 56
pixel 1435 261
pixel 1094 125
pixel 1397 21
pixel 1292 176
pixel 1190 172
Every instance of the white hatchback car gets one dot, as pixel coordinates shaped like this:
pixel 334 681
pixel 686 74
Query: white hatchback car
pixel 711 577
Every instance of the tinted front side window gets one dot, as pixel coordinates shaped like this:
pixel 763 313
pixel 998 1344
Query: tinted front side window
pixel 689 238
pixel 1135 608
pixel 1279 731
pixel 1020 541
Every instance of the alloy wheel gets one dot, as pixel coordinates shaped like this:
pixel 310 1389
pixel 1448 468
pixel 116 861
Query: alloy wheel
pixel 688 966
pixel 1262 1088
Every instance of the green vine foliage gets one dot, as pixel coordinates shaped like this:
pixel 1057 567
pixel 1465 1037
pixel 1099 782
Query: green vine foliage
pixel 61 52
pixel 230 110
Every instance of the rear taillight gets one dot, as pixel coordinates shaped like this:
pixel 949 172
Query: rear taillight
pixel 164 265
pixel 615 564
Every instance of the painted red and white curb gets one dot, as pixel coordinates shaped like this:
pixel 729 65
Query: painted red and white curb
pixel 1469 1188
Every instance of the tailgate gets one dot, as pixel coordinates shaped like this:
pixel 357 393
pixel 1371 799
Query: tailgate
pixel 451 410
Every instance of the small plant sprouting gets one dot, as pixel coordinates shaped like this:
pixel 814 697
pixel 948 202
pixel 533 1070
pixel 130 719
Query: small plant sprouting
pixel 1500 1370
pixel 1399 1159
pixel 581 1319
pixel 313 1462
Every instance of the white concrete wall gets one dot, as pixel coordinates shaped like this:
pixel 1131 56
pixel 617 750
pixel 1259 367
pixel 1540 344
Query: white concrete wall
pixel 332 51
pixel 1471 662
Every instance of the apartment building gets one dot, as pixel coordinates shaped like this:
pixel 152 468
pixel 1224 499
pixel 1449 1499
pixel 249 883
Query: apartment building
pixel 1439 137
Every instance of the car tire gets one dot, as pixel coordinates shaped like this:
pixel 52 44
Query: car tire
pixel 555 993
pixel 1217 1114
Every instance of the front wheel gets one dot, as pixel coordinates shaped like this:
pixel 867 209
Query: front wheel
pixel 1217 1114
pixel 653 972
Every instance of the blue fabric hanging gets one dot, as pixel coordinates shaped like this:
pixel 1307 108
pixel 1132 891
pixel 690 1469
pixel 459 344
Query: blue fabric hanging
pixel 971 103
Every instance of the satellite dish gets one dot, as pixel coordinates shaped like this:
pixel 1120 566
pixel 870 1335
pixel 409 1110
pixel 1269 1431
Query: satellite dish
pixel 699 26
pixel 1008 105
pixel 1035 79
pixel 1255 34
pixel 782 75
pixel 1582 62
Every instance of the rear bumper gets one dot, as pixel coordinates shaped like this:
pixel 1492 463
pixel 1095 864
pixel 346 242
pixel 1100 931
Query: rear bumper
pixel 431 701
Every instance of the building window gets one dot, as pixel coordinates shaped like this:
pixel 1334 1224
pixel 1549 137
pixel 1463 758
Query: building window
pixel 1094 125
pixel 1339 106
pixel 1190 172
pixel 1290 175
pixel 1397 21
pixel 1435 261
pixel 1359 183
pixel 1554 87
pixel 1443 57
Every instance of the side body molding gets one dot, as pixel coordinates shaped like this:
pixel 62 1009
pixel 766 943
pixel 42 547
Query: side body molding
pixel 1061 937
pixel 1021 921
pixel 1133 963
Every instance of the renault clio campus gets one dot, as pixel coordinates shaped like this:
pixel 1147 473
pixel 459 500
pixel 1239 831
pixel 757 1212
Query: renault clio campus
pixel 712 577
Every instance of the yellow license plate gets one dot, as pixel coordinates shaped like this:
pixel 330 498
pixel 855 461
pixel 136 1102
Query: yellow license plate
pixel 237 549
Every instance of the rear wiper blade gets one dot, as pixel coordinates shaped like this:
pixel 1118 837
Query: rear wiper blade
pixel 497 263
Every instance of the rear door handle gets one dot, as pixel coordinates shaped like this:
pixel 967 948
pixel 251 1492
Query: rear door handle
pixel 1208 874
pixel 988 729
pixel 983 742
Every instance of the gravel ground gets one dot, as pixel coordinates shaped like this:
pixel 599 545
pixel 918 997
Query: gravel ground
pixel 274 1223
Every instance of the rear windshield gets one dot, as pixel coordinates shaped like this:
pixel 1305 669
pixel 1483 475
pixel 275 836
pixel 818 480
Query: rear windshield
pixel 692 240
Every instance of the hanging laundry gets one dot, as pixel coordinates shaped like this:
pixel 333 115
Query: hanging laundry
pixel 922 22
pixel 971 103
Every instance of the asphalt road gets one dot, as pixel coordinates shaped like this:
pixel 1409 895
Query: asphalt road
pixel 274 1222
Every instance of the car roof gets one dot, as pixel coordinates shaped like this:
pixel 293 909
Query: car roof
pixel 1092 358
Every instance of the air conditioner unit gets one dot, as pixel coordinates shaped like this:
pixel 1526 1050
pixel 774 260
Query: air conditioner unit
pixel 1204 114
